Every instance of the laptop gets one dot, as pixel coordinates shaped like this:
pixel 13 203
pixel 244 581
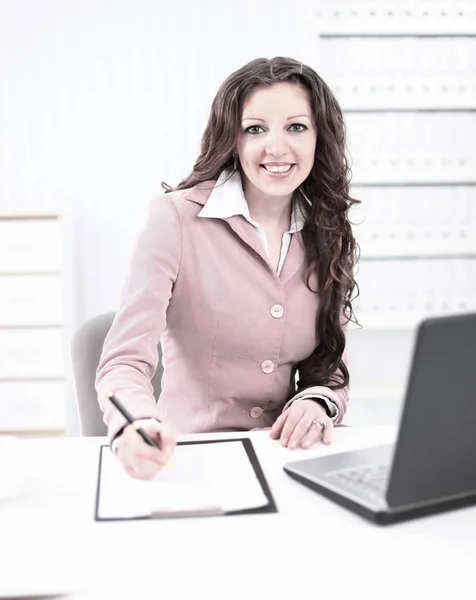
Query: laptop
pixel 432 465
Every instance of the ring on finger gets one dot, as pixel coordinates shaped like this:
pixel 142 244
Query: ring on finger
pixel 322 423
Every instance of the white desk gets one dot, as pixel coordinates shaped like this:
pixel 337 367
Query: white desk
pixel 311 549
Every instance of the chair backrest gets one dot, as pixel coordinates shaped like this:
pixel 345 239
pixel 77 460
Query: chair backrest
pixel 86 348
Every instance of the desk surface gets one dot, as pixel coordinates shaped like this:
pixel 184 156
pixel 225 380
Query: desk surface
pixel 311 547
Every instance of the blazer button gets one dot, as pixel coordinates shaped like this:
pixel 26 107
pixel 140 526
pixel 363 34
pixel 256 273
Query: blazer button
pixel 267 366
pixel 277 311
pixel 256 412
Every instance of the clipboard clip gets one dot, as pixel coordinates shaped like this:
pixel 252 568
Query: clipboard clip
pixel 200 511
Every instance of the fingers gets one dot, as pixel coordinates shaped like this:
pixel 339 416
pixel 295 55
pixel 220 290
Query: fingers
pixel 295 426
pixel 306 434
pixel 168 439
pixel 278 425
pixel 138 466
pixel 143 469
pixel 315 432
pixel 293 430
pixel 140 460
pixel 328 432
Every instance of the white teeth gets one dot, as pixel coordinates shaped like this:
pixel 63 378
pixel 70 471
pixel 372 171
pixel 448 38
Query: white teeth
pixel 273 169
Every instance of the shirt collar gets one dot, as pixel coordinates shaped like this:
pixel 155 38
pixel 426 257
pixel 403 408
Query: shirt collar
pixel 227 200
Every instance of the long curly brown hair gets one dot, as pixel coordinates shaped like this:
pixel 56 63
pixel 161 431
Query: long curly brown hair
pixel 329 244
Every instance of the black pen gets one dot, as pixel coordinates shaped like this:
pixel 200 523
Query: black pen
pixel 127 415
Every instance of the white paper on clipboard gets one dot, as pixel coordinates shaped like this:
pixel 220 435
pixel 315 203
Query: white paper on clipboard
pixel 204 477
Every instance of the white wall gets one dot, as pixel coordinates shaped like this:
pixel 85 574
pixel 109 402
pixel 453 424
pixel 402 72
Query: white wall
pixel 101 101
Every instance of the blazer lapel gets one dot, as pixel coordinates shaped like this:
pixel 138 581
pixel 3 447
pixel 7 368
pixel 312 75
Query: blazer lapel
pixel 248 235
pixel 293 260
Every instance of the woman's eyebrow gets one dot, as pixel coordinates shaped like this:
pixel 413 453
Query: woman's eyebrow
pixel 288 119
pixel 299 116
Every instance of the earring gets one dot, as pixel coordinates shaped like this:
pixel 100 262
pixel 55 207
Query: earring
pixel 235 162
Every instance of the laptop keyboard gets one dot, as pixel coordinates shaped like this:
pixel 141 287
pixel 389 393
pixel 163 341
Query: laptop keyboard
pixel 369 479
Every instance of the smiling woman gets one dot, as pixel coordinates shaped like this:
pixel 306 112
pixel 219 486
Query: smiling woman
pixel 276 155
pixel 276 149
pixel 244 272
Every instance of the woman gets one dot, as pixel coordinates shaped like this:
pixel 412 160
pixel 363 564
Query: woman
pixel 244 271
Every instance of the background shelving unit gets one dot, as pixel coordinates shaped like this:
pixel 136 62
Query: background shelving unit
pixel 405 75
pixel 32 325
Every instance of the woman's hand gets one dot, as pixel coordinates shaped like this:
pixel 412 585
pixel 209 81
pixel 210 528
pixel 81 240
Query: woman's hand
pixel 295 425
pixel 138 458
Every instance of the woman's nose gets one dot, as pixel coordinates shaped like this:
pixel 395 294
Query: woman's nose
pixel 276 145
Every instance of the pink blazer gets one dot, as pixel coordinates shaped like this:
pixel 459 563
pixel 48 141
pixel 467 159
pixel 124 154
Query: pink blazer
pixel 231 329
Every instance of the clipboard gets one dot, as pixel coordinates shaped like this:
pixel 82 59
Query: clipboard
pixel 206 510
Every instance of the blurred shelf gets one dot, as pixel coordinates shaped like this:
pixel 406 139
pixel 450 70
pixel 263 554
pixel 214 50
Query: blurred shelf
pixel 377 395
pixel 28 273
pixel 394 18
pixel 372 171
pixel 35 378
pixel 30 326
pixel 363 34
pixel 33 433
pixel 372 325
pixel 378 107
pixel 390 255
pixel 388 74
pixel 407 184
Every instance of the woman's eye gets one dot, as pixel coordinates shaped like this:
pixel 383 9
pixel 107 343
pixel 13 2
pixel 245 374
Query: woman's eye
pixel 297 127
pixel 254 129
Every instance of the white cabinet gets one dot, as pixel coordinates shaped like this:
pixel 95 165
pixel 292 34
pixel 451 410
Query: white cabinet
pixel 30 245
pixel 32 406
pixel 32 325
pixel 30 353
pixel 30 300
pixel 408 91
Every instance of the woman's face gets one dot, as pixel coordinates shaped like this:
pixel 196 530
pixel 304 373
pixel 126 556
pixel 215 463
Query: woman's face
pixel 277 139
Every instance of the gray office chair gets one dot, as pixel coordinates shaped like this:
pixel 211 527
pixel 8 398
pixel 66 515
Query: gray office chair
pixel 86 348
